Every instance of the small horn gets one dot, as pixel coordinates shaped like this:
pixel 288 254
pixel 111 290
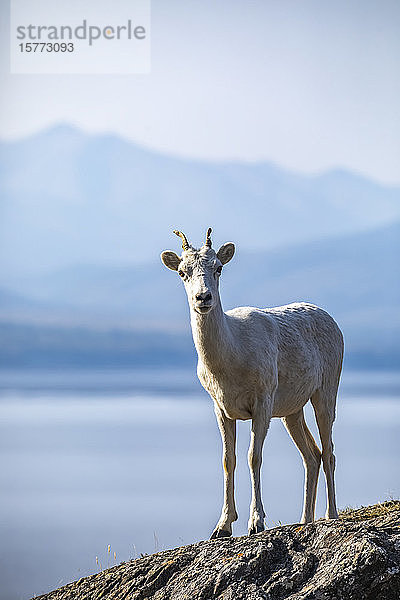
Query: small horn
pixel 208 238
pixel 185 243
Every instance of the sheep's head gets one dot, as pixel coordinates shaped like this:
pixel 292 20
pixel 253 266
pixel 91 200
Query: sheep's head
pixel 199 270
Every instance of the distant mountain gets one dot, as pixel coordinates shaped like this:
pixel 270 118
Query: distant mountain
pixel 350 272
pixel 72 198
pixel 83 220
pixel 47 346
pixel 355 277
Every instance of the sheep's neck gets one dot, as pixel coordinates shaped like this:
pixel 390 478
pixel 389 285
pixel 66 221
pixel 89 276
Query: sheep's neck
pixel 211 335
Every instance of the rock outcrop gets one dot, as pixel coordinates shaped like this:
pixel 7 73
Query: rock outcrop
pixel 355 557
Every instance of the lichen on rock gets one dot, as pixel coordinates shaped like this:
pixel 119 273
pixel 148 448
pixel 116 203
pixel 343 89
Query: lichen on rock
pixel 354 557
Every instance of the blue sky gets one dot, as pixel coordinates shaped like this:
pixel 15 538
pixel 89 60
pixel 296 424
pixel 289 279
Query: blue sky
pixel 307 84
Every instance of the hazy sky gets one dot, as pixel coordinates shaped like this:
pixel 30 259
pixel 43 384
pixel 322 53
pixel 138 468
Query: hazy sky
pixel 308 84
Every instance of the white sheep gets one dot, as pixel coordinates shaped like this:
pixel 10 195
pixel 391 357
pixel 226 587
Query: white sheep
pixel 258 364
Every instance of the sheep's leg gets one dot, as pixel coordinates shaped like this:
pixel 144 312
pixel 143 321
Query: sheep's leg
pixel 324 406
pixel 302 437
pixel 227 428
pixel 259 428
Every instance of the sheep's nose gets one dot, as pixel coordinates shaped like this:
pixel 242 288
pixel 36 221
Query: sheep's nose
pixel 205 297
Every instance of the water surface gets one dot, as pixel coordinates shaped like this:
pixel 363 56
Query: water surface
pixel 132 460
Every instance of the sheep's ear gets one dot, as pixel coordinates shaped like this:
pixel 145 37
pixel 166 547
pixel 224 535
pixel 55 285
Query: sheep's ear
pixel 226 252
pixel 170 260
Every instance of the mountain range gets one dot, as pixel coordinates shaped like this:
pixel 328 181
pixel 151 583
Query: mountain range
pixel 72 198
pixel 84 219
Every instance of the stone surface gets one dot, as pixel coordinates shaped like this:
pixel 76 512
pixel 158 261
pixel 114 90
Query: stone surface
pixel 355 557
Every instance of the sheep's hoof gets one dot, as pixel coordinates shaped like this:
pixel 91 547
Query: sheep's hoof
pixel 256 528
pixel 219 533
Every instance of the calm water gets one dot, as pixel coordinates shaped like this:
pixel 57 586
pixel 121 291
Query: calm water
pixel 133 460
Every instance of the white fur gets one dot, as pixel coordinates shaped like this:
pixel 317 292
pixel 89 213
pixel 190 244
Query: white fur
pixel 258 364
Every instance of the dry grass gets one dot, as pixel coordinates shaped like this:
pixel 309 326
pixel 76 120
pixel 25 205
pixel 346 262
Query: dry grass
pixel 369 512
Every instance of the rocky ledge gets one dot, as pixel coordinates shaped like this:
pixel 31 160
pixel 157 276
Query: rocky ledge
pixel 354 557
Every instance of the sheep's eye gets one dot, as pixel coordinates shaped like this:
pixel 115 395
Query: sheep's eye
pixel 181 273
pixel 219 270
